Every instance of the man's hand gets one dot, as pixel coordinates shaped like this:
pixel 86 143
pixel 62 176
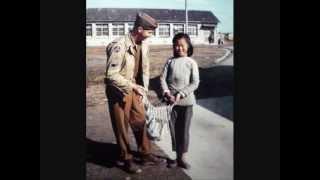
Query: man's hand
pixel 139 90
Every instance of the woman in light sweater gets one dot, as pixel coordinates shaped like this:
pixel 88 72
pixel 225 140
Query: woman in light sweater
pixel 179 79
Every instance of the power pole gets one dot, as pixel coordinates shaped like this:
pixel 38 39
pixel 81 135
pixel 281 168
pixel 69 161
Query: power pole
pixel 186 10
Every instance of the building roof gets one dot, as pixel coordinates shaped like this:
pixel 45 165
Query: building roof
pixel 161 15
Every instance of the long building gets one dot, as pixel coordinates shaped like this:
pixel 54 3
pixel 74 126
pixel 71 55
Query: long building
pixel 105 24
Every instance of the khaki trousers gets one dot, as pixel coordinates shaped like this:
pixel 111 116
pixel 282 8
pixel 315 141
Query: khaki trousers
pixel 129 111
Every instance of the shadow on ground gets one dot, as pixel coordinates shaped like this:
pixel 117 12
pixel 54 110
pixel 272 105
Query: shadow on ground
pixel 215 91
pixel 215 82
pixel 103 154
pixel 154 85
pixel 102 158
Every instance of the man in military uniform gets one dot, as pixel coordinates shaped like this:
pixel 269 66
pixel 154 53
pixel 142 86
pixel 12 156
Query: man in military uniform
pixel 127 80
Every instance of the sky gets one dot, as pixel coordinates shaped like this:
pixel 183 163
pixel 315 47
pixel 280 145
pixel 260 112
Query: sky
pixel 222 9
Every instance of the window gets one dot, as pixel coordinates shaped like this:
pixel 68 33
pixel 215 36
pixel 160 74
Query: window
pixel 164 30
pixel 177 28
pixel 89 30
pixel 192 30
pixel 130 27
pixel 102 29
pixel 118 29
pixel 154 32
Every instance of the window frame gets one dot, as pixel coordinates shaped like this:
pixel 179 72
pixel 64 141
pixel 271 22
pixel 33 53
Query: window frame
pixel 167 31
pixel 115 26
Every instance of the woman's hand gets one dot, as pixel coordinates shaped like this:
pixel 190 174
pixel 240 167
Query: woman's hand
pixel 169 98
pixel 178 97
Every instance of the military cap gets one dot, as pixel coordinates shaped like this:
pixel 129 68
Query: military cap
pixel 145 21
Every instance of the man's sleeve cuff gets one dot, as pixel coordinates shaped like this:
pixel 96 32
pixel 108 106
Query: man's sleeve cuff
pixel 165 91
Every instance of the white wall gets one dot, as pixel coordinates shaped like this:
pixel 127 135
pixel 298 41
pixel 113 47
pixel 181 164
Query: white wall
pixel 94 40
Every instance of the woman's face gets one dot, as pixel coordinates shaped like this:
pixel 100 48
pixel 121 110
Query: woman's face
pixel 181 47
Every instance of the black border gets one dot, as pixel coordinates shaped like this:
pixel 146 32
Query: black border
pixel 62 89
pixel 257 92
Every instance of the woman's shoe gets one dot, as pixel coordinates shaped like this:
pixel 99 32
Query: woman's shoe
pixel 183 164
pixel 171 163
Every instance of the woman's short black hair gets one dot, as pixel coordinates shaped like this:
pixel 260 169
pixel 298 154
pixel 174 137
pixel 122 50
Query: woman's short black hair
pixel 187 38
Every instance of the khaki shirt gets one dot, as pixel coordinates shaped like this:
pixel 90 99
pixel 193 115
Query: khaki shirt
pixel 121 62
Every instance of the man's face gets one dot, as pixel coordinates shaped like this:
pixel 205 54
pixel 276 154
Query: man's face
pixel 144 33
pixel 147 33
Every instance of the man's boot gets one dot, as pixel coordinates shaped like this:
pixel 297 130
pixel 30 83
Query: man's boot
pixel 130 167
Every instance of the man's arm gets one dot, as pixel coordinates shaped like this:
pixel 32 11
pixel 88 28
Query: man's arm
pixel 113 67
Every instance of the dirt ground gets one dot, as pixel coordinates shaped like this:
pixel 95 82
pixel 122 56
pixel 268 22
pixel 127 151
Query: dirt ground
pixel 204 55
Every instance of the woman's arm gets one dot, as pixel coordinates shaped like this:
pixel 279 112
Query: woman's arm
pixel 163 78
pixel 194 81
